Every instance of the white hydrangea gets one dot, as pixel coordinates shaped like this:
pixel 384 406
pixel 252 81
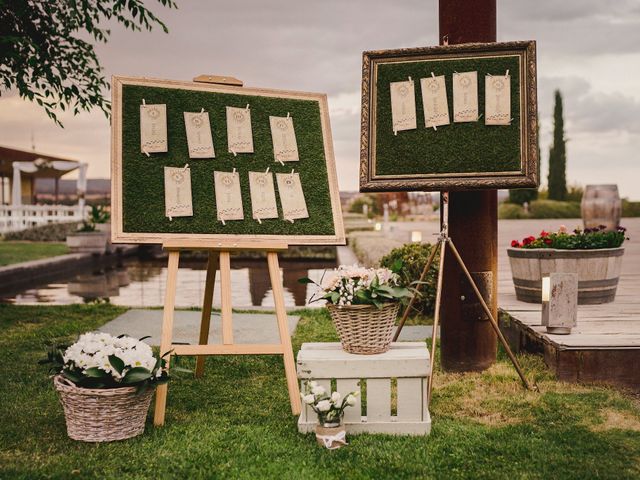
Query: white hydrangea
pixel 92 350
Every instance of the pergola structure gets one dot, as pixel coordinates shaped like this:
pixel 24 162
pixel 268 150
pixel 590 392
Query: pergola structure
pixel 21 168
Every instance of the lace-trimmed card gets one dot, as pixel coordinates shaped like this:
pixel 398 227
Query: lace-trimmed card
pixel 199 137
pixel 153 128
pixel 497 100
pixel 465 97
pixel 228 196
pixel 291 196
pixel 263 195
pixel 285 147
pixel 239 134
pixel 434 101
pixel 403 106
pixel 177 192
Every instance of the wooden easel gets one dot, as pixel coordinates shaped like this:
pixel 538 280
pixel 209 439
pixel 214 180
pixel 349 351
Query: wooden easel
pixel 219 258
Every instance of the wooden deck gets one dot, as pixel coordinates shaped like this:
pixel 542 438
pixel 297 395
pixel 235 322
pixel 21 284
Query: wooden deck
pixel 605 345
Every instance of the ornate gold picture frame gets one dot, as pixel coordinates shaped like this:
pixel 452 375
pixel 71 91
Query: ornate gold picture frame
pixel 458 156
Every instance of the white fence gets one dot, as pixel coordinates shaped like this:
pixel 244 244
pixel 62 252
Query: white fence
pixel 13 219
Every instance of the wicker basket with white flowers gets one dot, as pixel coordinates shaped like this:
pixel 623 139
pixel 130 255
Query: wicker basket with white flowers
pixel 105 385
pixel 330 431
pixel 364 304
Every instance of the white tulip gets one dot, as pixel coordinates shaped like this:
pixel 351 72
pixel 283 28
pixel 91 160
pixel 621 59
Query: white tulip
pixel 335 397
pixel 308 399
pixel 318 390
pixel 351 400
pixel 323 405
pixel 312 384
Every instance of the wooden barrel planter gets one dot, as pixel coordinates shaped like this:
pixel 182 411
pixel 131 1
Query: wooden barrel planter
pixel 601 205
pixel 598 271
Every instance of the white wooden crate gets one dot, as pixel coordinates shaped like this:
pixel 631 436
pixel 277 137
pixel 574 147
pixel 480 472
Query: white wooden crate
pixel 407 362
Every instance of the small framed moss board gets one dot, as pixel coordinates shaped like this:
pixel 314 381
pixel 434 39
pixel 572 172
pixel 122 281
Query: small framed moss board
pixel 457 156
pixel 138 209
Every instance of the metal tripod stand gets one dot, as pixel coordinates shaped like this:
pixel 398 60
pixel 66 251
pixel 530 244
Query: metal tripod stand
pixel 441 245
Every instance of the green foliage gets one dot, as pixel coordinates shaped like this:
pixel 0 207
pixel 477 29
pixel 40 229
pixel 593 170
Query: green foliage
pixel 456 147
pixel 235 421
pixel 630 209
pixel 557 180
pixel 519 196
pixel 553 209
pixel 16 252
pixel 46 52
pixel 366 199
pixel 574 193
pixel 511 211
pixel 413 257
pixel 51 232
pixel 99 214
pixel 143 177
pixel 590 238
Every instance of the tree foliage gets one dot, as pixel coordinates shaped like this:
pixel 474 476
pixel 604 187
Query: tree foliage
pixel 557 155
pixel 47 54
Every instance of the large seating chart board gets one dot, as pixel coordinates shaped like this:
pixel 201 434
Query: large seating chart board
pixel 141 190
pixel 429 140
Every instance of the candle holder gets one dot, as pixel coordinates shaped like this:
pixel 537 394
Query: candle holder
pixel 560 302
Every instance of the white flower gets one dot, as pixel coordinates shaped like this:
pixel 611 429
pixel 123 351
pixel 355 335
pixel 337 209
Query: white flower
pixel 335 397
pixel 351 400
pixel 312 384
pixel 323 405
pixel 308 399
pixel 318 390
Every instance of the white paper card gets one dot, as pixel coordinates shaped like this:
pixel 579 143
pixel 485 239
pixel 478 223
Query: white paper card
pixel 285 147
pixel 465 97
pixel 239 134
pixel 177 192
pixel 291 196
pixel 403 106
pixel 228 196
pixel 434 101
pixel 263 195
pixel 199 139
pixel 497 100
pixel 153 128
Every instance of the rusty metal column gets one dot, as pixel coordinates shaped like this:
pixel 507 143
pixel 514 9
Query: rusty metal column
pixel 468 341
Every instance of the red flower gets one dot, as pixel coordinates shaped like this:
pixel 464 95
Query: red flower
pixel 527 240
pixel 515 243
pixel 544 234
pixel 548 241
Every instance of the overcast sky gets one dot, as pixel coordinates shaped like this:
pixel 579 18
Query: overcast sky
pixel 589 49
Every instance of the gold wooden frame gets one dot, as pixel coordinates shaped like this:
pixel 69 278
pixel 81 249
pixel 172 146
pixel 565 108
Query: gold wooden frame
pixel 527 176
pixel 120 236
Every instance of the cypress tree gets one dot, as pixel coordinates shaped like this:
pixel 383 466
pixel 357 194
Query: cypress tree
pixel 557 155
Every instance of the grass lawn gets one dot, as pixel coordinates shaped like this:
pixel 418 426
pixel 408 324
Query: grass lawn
pixel 16 252
pixel 235 422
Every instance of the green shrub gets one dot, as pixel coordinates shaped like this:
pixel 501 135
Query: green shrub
pixel 521 195
pixel 414 257
pixel 52 232
pixel 554 209
pixel 630 209
pixel 511 211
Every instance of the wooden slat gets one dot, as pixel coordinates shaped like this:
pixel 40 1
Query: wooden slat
pixel 378 399
pixel 410 400
pixel 219 80
pixel 239 244
pixel 225 298
pixel 205 320
pixel 167 331
pixel 346 386
pixel 235 349
pixel 283 328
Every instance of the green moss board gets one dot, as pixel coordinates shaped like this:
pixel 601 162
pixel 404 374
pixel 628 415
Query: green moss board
pixel 143 177
pixel 455 148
